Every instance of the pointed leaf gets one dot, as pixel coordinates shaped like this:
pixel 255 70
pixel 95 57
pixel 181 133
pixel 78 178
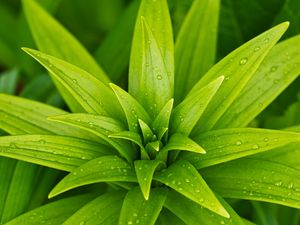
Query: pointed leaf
pixel 154 71
pixel 93 95
pixel 161 122
pixel 103 210
pixel 137 210
pixel 133 110
pixel 52 213
pixel 144 170
pixel 238 68
pixel 195 48
pixel 276 73
pixel 185 179
pixel 146 131
pixel 100 126
pixel 186 115
pixel 256 179
pixel 192 214
pixel 229 144
pixel 59 152
pixel 102 169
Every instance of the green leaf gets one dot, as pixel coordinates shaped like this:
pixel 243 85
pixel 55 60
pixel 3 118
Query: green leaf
pixel 103 210
pixel 238 68
pixel 137 210
pixel 186 115
pixel 100 126
pixel 183 143
pixel 146 131
pixel 166 218
pixel 8 81
pixel 59 152
pixel 151 67
pixel 195 48
pixel 190 212
pixel 114 51
pixel 144 170
pixel 256 179
pixel 94 96
pixel 161 122
pixel 64 46
pixel 53 213
pixel 102 169
pixel 276 73
pixel 185 179
pixel 133 110
pixel 229 144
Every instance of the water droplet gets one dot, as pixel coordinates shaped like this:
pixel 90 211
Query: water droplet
pixel 187 180
pixel 74 81
pixel 255 146
pixel 197 190
pixel 137 221
pixel 278 183
pixel 291 185
pixel 266 40
pixel 266 139
pixel 273 68
pixel 222 222
pixel 130 222
pixel 243 61
pixel 238 143
pixel 159 77
pixel 276 81
pixel 257 49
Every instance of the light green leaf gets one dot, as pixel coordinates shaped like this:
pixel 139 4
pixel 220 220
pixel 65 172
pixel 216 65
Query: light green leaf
pixel 8 81
pixel 161 122
pixel 195 48
pixel 94 96
pixel 154 71
pixel 185 179
pixel 59 152
pixel 102 127
pixel 238 68
pixel 53 213
pixel 146 131
pixel 133 110
pixel 144 170
pixel 190 212
pixel 256 179
pixel 229 144
pixel 102 169
pixel 182 142
pixel 137 210
pixel 276 73
pixel 103 210
pixel 186 115
pixel 64 46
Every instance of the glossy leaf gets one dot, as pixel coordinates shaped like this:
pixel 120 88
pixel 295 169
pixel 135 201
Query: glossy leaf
pixel 103 210
pixel 276 73
pixel 146 131
pixel 195 48
pixel 102 169
pixel 144 170
pixel 192 214
pixel 229 144
pixel 154 71
pixel 256 179
pixel 186 115
pixel 133 110
pixel 185 179
pixel 59 152
pixel 94 96
pixel 137 210
pixel 53 213
pixel 238 68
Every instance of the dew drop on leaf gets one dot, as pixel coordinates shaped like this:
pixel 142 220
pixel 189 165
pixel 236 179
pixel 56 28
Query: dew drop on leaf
pixel 238 143
pixel 243 61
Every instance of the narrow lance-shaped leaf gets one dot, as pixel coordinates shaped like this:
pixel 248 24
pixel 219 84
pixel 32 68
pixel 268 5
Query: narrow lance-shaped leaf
pixel 52 213
pixel 59 152
pixel 146 131
pixel 157 16
pixel 137 210
pixel 192 214
pixel 133 110
pixel 256 179
pixel 277 72
pixel 195 48
pixel 238 68
pixel 144 170
pixel 93 95
pixel 185 179
pixel 103 210
pixel 102 169
pixel 186 115
pixel 100 126
pixel 229 144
